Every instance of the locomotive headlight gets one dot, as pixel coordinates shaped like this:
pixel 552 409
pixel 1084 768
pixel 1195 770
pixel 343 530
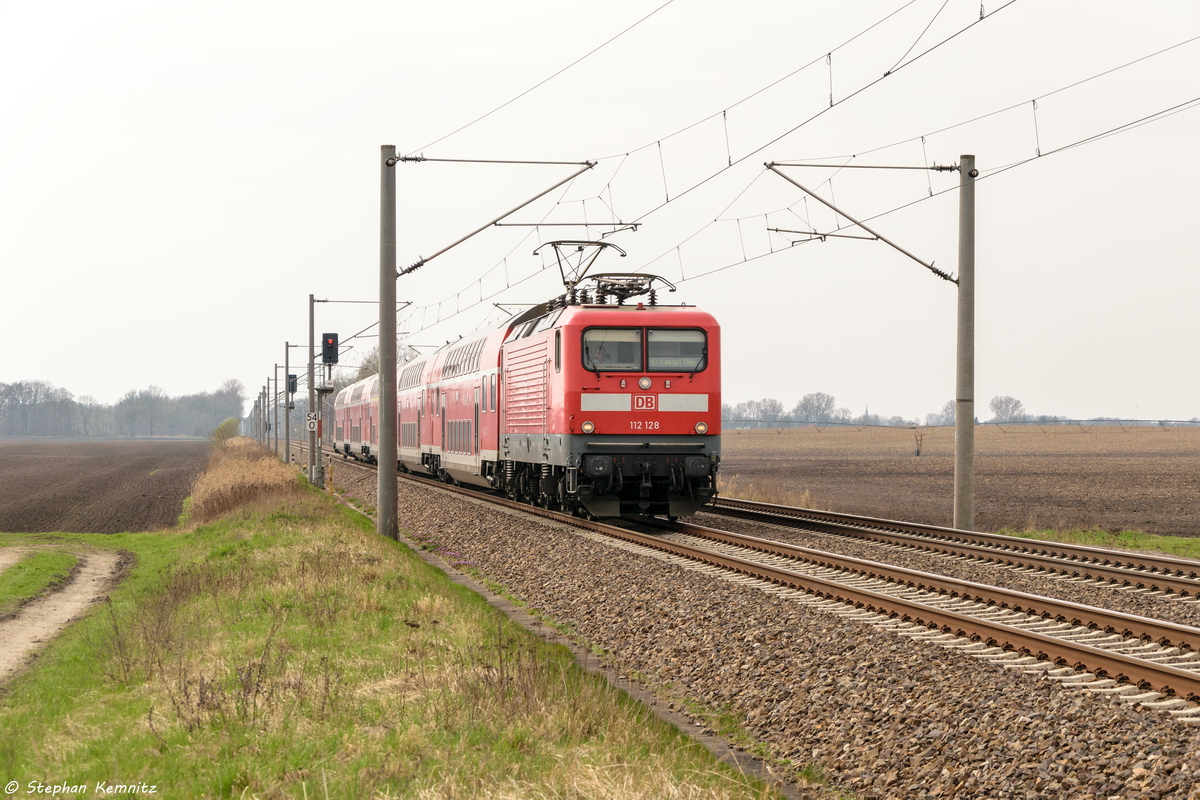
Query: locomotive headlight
pixel 701 427
pixel 645 383
pixel 588 427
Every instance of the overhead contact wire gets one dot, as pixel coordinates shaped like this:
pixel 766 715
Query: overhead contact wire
pixel 1023 102
pixel 768 87
pixel 823 111
pixel 1155 117
pixel 538 85
pixel 927 27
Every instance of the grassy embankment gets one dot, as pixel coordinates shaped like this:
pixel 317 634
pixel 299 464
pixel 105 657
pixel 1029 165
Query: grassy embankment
pixel 275 646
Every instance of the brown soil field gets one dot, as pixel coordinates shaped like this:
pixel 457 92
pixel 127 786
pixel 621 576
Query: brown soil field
pixel 81 486
pixel 1026 477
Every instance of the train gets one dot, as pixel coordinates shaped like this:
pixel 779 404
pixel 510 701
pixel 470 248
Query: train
pixel 601 402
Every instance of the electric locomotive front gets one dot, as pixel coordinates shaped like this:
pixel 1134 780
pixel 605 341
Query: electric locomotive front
pixel 610 408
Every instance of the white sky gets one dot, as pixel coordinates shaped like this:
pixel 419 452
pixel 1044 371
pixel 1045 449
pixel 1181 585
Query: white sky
pixel 176 178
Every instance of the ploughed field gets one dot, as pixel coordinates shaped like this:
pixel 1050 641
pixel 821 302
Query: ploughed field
pixel 95 486
pixel 1061 476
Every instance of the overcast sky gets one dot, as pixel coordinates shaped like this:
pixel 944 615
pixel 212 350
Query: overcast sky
pixel 176 178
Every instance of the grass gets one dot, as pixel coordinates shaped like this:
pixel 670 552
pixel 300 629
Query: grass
pixel 37 574
pixel 1183 547
pixel 276 647
pixel 763 491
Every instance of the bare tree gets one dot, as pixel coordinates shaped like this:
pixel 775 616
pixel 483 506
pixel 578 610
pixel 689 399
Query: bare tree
pixel 231 398
pixel 128 412
pixel 154 407
pixel 87 412
pixel 24 406
pixel 1007 409
pixel 815 407
pixel 368 366
pixel 944 417
pixel 758 413
pixel 770 409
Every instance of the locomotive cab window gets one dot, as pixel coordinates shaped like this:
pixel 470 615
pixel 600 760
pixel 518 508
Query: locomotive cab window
pixel 612 349
pixel 676 350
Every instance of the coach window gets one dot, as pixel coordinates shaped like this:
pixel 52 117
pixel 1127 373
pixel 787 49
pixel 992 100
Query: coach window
pixel 676 350
pixel 612 349
pixel 558 350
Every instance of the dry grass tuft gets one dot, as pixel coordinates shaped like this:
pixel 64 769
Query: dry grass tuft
pixel 583 777
pixel 765 491
pixel 240 473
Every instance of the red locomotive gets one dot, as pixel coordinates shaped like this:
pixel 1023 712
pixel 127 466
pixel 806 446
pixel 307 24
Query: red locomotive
pixel 587 403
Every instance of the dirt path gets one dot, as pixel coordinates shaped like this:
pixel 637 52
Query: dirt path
pixel 40 621
pixel 85 486
pixel 10 556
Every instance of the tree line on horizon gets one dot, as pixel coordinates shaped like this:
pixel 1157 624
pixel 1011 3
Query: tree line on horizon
pixel 38 408
pixel 819 408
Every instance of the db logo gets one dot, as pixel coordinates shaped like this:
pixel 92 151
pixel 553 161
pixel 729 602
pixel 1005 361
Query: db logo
pixel 645 402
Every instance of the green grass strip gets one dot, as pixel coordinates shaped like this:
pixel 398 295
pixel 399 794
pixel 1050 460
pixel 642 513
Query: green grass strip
pixel 1180 546
pixel 39 573
pixel 291 652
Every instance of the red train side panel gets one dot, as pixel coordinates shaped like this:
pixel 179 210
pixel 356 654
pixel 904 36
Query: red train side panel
pixel 593 408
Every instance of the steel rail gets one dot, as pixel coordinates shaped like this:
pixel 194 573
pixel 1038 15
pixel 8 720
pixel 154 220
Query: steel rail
pixel 1160 573
pixel 1145 674
pixel 1128 625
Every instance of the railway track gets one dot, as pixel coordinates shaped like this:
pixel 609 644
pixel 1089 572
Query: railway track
pixel 1174 578
pixel 1138 659
pixel 1120 653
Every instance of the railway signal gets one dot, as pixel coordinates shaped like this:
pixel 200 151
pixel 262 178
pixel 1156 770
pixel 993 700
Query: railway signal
pixel 329 348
